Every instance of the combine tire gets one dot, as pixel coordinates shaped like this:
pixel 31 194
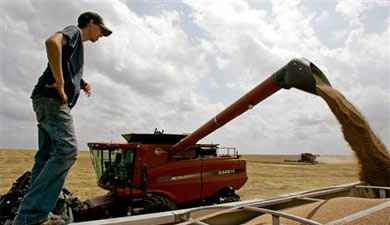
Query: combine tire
pixel 157 203
pixel 225 196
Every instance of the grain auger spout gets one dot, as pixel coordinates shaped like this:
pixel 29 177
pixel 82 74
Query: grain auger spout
pixel 298 73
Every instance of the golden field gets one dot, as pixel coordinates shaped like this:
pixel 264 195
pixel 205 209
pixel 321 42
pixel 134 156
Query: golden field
pixel 268 174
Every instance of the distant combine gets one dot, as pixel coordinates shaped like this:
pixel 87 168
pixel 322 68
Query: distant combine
pixel 305 158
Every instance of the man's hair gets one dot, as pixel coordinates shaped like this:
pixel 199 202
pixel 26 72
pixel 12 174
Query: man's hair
pixel 88 16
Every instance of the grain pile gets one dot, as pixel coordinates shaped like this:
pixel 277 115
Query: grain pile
pixel 373 157
pixel 331 210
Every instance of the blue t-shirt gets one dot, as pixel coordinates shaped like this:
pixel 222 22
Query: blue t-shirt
pixel 72 69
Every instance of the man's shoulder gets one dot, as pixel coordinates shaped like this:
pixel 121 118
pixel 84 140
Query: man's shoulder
pixel 73 34
pixel 71 29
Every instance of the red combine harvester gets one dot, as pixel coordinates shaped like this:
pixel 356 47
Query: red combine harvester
pixel 145 176
pixel 160 172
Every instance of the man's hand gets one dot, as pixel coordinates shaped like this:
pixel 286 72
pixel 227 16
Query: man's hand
pixel 86 87
pixel 61 91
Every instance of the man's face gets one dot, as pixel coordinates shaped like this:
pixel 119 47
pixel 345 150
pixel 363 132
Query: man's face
pixel 95 31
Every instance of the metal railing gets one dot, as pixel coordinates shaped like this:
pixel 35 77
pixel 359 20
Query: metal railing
pixel 382 190
pixel 203 215
pixel 227 151
pixel 276 215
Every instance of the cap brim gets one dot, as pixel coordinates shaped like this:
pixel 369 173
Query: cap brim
pixel 106 30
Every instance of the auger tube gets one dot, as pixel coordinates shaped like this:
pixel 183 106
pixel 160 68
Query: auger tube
pixel 298 73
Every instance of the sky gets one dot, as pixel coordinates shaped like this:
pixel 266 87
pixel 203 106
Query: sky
pixel 174 65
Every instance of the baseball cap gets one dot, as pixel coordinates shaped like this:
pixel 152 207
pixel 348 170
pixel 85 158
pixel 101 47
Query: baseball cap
pixel 97 19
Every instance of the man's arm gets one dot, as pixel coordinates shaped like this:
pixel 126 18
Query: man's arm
pixel 54 53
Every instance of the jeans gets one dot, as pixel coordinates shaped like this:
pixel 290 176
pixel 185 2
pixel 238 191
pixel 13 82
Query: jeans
pixel 56 154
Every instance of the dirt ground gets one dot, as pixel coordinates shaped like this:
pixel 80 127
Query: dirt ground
pixel 268 174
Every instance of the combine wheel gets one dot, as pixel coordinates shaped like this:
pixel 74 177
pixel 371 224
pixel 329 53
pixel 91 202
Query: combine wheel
pixel 225 196
pixel 157 203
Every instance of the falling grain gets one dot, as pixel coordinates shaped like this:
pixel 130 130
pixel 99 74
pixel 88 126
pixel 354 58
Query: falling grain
pixel 373 157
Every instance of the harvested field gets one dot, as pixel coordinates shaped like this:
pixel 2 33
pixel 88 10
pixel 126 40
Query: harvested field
pixel 81 180
pixel 268 174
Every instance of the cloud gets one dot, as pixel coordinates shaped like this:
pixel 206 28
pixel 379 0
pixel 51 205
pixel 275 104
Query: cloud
pixel 351 11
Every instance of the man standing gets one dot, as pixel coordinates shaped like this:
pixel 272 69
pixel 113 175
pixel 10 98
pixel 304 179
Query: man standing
pixel 53 97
